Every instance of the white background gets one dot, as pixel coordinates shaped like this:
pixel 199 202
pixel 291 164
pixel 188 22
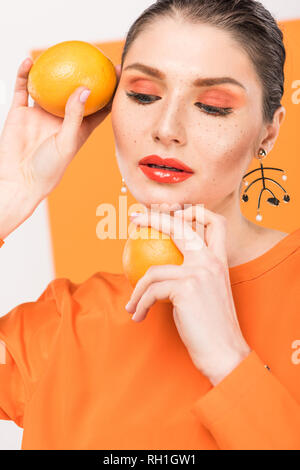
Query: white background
pixel 26 258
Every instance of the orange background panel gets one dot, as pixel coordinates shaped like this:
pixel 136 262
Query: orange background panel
pixel 93 178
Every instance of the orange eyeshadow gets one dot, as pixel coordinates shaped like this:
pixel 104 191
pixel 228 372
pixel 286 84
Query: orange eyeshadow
pixel 221 98
pixel 218 97
pixel 143 86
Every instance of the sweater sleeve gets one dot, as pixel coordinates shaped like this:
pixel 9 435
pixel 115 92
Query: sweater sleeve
pixel 251 409
pixel 27 334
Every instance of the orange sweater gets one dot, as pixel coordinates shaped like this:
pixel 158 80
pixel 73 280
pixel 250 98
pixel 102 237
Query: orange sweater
pixel 79 374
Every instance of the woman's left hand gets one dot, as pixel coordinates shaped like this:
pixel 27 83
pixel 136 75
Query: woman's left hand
pixel 199 289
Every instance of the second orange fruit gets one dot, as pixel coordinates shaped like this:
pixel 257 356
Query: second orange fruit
pixel 146 247
pixel 62 68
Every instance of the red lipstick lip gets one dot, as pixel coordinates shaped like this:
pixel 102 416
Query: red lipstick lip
pixel 171 162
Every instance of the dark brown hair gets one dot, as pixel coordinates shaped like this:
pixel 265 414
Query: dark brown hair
pixel 249 23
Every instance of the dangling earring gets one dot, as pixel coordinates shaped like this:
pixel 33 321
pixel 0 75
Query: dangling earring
pixel 271 200
pixel 124 188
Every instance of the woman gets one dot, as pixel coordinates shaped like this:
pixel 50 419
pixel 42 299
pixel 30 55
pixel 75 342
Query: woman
pixel 218 367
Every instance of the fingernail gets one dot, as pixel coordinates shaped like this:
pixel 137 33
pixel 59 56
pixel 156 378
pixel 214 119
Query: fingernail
pixel 84 95
pixel 135 214
pixel 127 306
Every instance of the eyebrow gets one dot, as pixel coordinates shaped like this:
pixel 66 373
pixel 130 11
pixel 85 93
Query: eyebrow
pixel 153 72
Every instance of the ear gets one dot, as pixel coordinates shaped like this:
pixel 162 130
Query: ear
pixel 272 129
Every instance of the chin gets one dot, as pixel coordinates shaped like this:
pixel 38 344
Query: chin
pixel 148 192
pixel 174 203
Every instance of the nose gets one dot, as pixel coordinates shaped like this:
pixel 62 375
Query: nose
pixel 169 128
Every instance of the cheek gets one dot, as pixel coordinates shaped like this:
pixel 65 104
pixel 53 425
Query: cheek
pixel 118 117
pixel 224 154
pixel 225 143
pixel 124 123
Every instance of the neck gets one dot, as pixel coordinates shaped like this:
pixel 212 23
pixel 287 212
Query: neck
pixel 241 232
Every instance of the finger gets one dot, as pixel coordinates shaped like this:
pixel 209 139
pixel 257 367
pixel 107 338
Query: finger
pixel 193 212
pixel 187 240
pixel 37 106
pixel 154 274
pixel 118 71
pixel 20 96
pixel 74 110
pixel 95 119
pixel 215 228
pixel 166 207
pixel 158 291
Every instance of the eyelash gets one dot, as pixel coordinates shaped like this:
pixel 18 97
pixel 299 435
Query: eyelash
pixel 212 110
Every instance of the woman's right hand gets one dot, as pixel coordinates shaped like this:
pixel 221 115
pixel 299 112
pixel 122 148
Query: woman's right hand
pixel 36 147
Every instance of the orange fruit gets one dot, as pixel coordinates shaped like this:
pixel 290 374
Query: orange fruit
pixel 62 68
pixel 145 247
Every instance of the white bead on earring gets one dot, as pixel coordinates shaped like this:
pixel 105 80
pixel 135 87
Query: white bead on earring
pixel 123 189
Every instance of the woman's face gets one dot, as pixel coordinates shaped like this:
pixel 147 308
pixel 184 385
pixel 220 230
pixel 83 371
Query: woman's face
pixel 179 119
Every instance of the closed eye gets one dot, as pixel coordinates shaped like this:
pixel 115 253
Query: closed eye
pixel 144 99
pixel 214 110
